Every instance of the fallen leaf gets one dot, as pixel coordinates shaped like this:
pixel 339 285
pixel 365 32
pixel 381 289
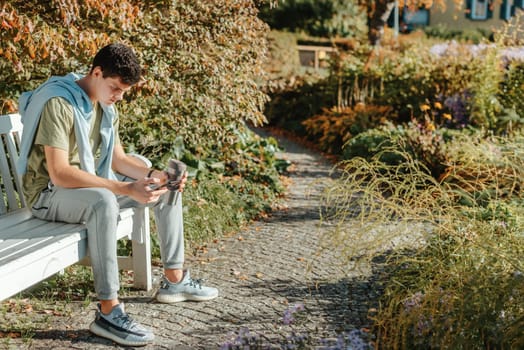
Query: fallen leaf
pixel 14 335
pixel 28 308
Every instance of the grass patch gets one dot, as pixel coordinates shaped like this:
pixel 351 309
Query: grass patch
pixel 28 313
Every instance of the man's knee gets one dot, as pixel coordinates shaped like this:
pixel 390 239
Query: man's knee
pixel 105 201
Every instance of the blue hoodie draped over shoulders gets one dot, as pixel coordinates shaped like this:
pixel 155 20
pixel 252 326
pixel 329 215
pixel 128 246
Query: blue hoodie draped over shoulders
pixel 31 104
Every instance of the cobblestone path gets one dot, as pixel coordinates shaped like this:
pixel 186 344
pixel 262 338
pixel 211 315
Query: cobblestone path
pixel 262 273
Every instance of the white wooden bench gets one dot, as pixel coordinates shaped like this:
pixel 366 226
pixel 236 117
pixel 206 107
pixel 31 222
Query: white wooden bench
pixel 32 250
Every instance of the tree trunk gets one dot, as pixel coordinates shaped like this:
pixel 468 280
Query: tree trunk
pixel 378 14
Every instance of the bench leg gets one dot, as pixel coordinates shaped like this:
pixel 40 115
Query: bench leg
pixel 141 241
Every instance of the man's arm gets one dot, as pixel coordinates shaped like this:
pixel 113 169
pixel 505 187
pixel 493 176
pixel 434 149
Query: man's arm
pixel 64 175
pixel 132 167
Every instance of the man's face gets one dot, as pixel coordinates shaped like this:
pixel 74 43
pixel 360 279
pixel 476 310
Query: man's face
pixel 108 90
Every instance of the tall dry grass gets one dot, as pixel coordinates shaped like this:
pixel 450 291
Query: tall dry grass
pixel 454 245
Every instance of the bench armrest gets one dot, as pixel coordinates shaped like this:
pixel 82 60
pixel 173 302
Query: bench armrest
pixel 140 157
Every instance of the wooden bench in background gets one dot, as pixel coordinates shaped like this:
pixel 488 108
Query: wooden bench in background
pixel 31 249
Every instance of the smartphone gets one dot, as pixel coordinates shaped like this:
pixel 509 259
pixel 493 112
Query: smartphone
pixel 156 187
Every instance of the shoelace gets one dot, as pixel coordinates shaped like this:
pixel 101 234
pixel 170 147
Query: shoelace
pixel 127 322
pixel 195 283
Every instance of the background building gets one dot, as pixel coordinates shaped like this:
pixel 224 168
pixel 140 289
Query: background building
pixel 474 14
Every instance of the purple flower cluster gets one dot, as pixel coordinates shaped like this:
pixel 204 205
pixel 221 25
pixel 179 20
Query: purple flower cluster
pixel 457 104
pixel 512 54
pixel 288 314
pixel 354 340
pixel 243 340
pixel 454 49
pixel 413 302
pixel 295 341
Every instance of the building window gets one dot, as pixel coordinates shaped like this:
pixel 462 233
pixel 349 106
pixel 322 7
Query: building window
pixel 506 10
pixel 479 9
pixel 414 19
pixel 410 20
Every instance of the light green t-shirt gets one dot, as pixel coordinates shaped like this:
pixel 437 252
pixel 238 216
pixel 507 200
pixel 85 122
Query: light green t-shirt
pixel 56 129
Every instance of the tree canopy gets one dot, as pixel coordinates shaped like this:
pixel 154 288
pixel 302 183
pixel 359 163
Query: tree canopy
pixel 378 12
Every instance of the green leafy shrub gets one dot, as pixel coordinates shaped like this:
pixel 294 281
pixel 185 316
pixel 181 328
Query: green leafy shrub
pixel 213 200
pixel 474 36
pixel 283 60
pixel 422 142
pixel 511 98
pixel 371 142
pixel 203 74
pixel 486 107
pixel 291 105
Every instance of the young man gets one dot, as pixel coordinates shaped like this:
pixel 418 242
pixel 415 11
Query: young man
pixel 68 122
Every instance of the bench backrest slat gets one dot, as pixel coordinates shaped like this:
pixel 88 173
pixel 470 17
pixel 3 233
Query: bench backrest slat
pixel 7 183
pixel 13 149
pixel 12 197
pixel 3 208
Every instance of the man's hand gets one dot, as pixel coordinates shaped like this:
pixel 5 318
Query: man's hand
pixel 144 191
pixel 164 178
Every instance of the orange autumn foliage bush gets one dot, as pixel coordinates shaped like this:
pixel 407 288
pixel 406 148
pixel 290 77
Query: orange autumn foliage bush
pixel 334 127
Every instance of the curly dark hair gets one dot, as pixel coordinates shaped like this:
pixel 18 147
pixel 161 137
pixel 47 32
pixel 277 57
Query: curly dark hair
pixel 118 60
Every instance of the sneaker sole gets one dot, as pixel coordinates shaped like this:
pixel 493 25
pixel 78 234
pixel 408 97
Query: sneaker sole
pixel 101 332
pixel 176 298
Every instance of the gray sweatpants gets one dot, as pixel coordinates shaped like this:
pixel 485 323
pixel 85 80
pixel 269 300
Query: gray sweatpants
pixel 98 208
